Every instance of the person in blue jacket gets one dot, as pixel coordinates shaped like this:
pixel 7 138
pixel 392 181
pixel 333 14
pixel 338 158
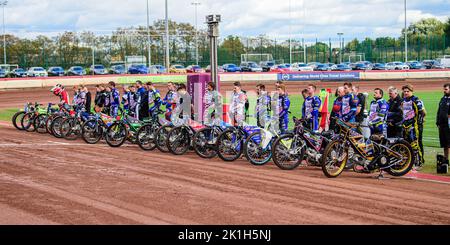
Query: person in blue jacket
pixel 349 104
pixel 378 113
pixel 311 107
pixel 115 99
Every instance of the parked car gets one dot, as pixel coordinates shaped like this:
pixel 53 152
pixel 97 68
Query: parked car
pixel 368 64
pixel 280 68
pixel 2 73
pixel 250 67
pixel 341 67
pixel 379 66
pixel 360 67
pixel 117 69
pixel 397 66
pixel 219 69
pixel 231 68
pixel 194 69
pixel 18 72
pixel 428 63
pixel 301 67
pixel 55 71
pixel 37 72
pixel 415 65
pixel 437 65
pixel 267 65
pixel 314 64
pixel 160 69
pixel 177 69
pixel 76 71
pixel 97 70
pixel 322 67
pixel 138 69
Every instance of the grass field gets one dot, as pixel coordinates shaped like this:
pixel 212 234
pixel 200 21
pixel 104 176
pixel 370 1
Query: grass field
pixel 431 138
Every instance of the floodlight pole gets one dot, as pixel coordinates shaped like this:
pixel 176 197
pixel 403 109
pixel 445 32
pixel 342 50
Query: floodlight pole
pixel 406 37
pixel 340 46
pixel 196 4
pixel 148 37
pixel 4 3
pixel 167 38
pixel 213 35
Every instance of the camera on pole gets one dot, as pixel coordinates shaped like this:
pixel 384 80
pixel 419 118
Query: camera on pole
pixel 213 35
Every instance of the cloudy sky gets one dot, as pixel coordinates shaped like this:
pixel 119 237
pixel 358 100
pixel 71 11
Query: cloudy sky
pixel 302 18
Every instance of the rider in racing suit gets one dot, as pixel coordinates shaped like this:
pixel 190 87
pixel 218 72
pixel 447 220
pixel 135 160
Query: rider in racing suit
pixel 310 109
pixel 378 113
pixel 154 100
pixel 115 99
pixel 263 103
pixel 237 106
pixel 349 105
pixel 413 114
pixel 281 110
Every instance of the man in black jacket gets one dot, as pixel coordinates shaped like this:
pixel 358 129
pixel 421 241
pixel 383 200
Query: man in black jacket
pixel 100 98
pixel 443 121
pixel 395 114
pixel 361 104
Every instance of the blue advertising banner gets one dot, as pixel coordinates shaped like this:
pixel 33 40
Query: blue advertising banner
pixel 318 76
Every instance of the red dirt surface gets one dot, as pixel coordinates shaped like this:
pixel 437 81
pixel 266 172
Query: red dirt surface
pixel 44 180
pixel 17 98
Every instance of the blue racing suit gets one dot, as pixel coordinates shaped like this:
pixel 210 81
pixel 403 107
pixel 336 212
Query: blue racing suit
pixel 349 108
pixel 283 112
pixel 115 102
pixel 262 109
pixel 377 116
pixel 169 102
pixel 310 112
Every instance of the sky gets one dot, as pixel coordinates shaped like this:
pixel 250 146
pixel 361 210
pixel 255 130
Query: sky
pixel 288 18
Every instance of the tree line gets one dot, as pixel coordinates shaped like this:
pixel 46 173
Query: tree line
pixel 427 38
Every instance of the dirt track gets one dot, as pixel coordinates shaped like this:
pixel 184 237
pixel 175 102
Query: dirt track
pixel 44 180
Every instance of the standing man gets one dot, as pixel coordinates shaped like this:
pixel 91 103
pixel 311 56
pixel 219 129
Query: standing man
pixel 282 108
pixel 311 107
pixel 237 106
pixel 378 112
pixel 395 114
pixel 88 99
pixel 361 106
pixel 349 104
pixel 115 99
pixel 213 106
pixel 336 111
pixel 262 106
pixel 169 100
pixel 413 113
pixel 141 92
pixel 443 121
pixel 154 100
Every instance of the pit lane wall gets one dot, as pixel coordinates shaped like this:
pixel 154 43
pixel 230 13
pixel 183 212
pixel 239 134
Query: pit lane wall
pixel 21 83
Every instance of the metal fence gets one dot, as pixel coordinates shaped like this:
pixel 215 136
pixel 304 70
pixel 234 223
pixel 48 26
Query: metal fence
pixel 183 51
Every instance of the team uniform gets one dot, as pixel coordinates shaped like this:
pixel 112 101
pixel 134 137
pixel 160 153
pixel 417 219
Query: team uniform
pixel 154 102
pixel 237 108
pixel 115 102
pixel 212 102
pixel 282 111
pixel 262 109
pixel 169 102
pixel 335 112
pixel 412 107
pixel 377 116
pixel 349 107
pixel 310 112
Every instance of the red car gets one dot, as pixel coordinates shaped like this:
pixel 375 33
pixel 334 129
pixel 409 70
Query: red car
pixel 280 68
